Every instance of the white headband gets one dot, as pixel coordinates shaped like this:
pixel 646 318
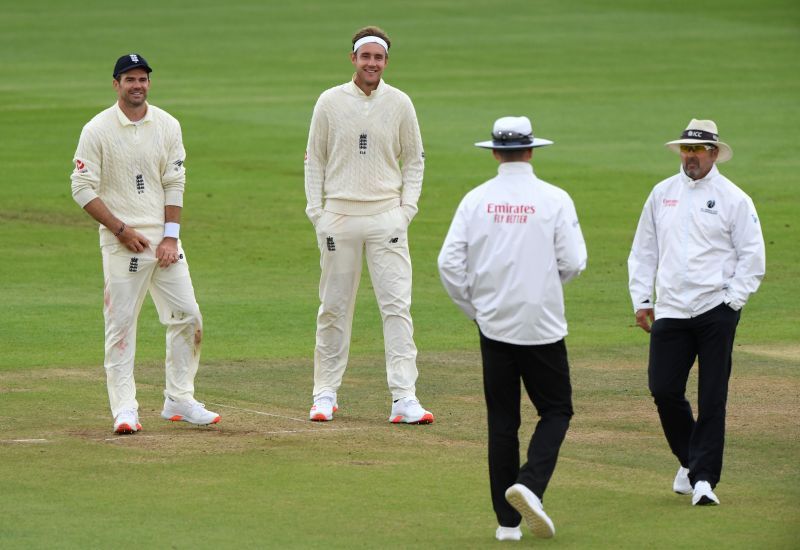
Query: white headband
pixel 367 39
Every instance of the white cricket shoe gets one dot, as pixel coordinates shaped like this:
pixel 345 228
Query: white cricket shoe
pixel 323 408
pixel 530 508
pixel 682 485
pixel 127 422
pixel 703 495
pixel 508 533
pixel 408 411
pixel 190 411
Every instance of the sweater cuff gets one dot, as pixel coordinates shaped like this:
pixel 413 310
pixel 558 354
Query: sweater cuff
pixel 410 210
pixel 314 213
pixel 84 196
pixel 173 198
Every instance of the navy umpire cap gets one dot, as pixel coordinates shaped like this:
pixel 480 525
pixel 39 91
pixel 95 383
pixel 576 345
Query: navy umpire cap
pixel 130 61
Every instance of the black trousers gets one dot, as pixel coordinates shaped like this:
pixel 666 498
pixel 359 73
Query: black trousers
pixel 544 371
pixel 674 345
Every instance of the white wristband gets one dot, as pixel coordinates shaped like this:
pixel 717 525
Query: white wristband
pixel 172 229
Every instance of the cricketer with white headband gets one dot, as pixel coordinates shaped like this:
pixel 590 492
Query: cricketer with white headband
pixel 363 177
pixel 369 57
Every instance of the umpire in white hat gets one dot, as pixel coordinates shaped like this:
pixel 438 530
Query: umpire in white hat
pixel 514 241
pixel 699 247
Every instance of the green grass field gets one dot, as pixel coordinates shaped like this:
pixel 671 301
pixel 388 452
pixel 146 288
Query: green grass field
pixel 609 82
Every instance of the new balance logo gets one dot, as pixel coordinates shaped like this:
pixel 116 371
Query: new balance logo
pixel 139 183
pixel 331 244
pixel 362 144
pixel 133 267
pixel 394 240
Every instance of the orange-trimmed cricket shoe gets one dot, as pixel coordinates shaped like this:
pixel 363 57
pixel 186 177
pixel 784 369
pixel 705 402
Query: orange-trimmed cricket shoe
pixel 407 410
pixel 323 408
pixel 190 411
pixel 127 422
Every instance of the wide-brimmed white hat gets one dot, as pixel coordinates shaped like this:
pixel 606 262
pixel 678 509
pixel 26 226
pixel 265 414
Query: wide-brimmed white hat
pixel 702 131
pixel 513 132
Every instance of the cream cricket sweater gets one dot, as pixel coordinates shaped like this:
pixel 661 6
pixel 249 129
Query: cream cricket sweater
pixel 364 153
pixel 135 168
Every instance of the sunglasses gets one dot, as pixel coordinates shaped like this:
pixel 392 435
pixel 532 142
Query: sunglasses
pixel 696 148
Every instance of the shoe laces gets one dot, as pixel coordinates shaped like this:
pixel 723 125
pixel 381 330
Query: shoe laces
pixel 128 412
pixel 409 403
pixel 324 399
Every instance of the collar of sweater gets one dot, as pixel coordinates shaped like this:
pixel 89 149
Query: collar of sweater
pixel 353 89
pixel 125 121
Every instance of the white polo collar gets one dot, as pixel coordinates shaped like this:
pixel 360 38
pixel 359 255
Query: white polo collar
pixel 125 121
pixel 359 92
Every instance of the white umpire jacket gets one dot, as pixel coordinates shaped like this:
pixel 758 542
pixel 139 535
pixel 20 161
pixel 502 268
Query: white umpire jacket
pixel 512 244
pixel 700 242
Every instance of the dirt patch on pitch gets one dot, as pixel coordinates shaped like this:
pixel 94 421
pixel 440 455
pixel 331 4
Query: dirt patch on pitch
pixel 608 412
pixel 238 431
pixel 594 436
pixel 611 400
pixel 29 375
pixel 785 352
pixel 4 389
pixel 460 358
pixel 761 405
pixel 44 218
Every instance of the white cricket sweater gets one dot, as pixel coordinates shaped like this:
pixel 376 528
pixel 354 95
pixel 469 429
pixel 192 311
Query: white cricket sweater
pixel 364 153
pixel 136 169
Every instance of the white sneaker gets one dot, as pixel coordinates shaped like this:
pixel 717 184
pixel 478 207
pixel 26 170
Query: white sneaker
pixel 530 508
pixel 323 408
pixel 191 411
pixel 508 533
pixel 408 410
pixel 682 485
pixel 703 495
pixel 127 422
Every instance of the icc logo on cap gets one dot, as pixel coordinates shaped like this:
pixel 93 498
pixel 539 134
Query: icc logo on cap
pixel 711 203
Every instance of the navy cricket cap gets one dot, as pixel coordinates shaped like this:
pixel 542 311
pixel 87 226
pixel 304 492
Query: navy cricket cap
pixel 130 61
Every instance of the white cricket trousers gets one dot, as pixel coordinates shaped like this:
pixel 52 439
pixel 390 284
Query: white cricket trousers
pixel 342 240
pixel 127 278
